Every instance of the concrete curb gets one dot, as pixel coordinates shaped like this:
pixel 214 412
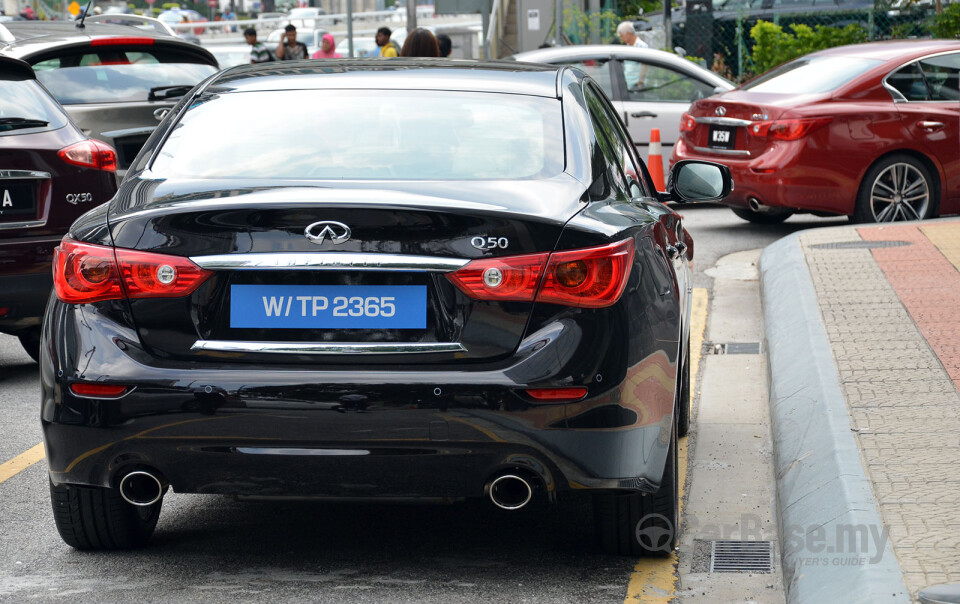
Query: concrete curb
pixel 834 544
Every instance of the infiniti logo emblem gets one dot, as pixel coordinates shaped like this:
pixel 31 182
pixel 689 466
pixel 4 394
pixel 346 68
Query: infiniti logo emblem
pixel 721 111
pixel 337 232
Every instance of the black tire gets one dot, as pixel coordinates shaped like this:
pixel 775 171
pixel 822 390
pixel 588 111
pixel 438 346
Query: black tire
pixel 30 340
pixel 97 518
pixel 903 180
pixel 771 217
pixel 641 524
pixel 684 396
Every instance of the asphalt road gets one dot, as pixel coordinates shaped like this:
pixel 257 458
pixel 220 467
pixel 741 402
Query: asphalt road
pixel 214 549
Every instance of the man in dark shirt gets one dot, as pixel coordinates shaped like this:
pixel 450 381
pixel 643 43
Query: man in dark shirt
pixel 289 49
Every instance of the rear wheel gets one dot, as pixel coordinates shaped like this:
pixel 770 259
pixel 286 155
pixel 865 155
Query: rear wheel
pixel 641 524
pixel 770 217
pixel 30 340
pixel 97 518
pixel 897 188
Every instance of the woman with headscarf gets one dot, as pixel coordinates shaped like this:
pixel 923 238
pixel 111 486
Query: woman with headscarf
pixel 328 50
pixel 420 43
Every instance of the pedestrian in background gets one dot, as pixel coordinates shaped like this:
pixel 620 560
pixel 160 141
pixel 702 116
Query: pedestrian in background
pixel 386 48
pixel 628 35
pixel 328 50
pixel 289 49
pixel 259 53
pixel 420 43
pixel 445 44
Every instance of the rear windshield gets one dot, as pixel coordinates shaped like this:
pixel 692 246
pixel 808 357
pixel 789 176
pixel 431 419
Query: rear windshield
pixel 25 106
pixel 812 75
pixel 112 75
pixel 366 135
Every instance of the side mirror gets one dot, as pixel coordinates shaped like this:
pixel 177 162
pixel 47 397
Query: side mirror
pixel 695 180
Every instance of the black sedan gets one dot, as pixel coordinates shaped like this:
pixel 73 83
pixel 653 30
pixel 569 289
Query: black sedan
pixel 420 280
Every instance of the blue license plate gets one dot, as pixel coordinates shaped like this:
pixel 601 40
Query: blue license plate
pixel 328 306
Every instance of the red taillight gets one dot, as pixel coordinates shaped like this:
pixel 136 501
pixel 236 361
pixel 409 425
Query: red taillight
pixel 587 278
pixel 556 394
pixel 83 273
pixel 788 130
pixel 150 275
pixel 507 278
pixel 122 41
pixel 687 123
pixel 90 154
pixel 98 390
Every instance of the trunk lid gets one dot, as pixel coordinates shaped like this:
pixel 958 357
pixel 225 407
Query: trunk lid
pixel 275 291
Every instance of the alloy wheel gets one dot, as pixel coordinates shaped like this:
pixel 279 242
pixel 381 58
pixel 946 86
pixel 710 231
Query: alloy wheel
pixel 900 192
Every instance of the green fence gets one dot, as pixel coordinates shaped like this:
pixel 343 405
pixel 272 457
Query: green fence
pixel 723 38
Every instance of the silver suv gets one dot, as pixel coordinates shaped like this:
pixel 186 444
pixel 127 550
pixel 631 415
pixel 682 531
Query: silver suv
pixel 115 81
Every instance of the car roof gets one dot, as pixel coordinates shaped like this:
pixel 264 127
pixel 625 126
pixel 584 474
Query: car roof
pixel 889 50
pixel 586 51
pixel 507 77
pixel 24 39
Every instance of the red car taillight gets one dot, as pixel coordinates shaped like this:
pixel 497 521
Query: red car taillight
pixel 83 272
pixel 788 130
pixel 687 123
pixel 90 154
pixel 587 278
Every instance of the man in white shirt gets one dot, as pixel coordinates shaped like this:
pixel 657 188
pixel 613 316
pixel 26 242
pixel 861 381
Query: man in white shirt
pixel 630 68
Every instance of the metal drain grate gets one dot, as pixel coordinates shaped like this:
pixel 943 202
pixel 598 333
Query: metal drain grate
pixel 731 348
pixel 741 557
pixel 857 245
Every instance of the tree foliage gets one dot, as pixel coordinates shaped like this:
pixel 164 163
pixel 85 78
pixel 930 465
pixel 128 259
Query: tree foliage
pixel 773 46
pixel 947 23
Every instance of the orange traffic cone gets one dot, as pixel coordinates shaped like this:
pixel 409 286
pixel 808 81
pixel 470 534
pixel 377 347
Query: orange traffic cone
pixel 655 160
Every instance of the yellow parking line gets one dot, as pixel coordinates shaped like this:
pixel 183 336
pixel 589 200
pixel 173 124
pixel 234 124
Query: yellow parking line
pixel 9 469
pixel 654 580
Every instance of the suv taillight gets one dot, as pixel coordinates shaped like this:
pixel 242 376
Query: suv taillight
pixel 84 272
pixel 90 154
pixel 587 278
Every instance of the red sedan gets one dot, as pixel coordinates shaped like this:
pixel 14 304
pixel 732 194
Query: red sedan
pixel 870 131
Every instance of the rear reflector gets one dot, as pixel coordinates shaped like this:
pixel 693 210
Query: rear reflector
pixel 98 390
pixel 556 394
pixel 83 273
pixel 122 41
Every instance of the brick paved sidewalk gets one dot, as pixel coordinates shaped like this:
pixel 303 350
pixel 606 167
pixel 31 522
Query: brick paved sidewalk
pixel 890 302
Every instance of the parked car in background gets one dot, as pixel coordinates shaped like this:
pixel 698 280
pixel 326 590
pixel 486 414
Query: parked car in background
pixel 481 296
pixel 179 16
pixel 362 47
pixel 228 55
pixel 306 17
pixel 115 81
pixel 50 174
pixel 869 131
pixel 670 83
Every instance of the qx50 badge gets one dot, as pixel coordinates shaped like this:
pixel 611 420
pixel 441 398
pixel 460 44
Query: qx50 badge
pixel 337 232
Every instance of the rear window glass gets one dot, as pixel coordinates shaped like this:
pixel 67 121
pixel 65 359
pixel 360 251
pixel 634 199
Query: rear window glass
pixel 812 75
pixel 111 75
pixel 366 135
pixel 24 105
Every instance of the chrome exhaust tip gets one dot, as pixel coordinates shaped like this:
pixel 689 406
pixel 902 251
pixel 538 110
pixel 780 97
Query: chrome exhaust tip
pixel 510 492
pixel 755 205
pixel 141 488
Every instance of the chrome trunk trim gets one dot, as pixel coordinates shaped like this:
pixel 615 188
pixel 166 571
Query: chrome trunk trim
pixel 327 348
pixel 722 121
pixel 731 152
pixel 23 174
pixel 329 261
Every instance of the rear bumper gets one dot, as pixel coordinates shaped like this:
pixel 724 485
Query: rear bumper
pixel 784 177
pixel 294 431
